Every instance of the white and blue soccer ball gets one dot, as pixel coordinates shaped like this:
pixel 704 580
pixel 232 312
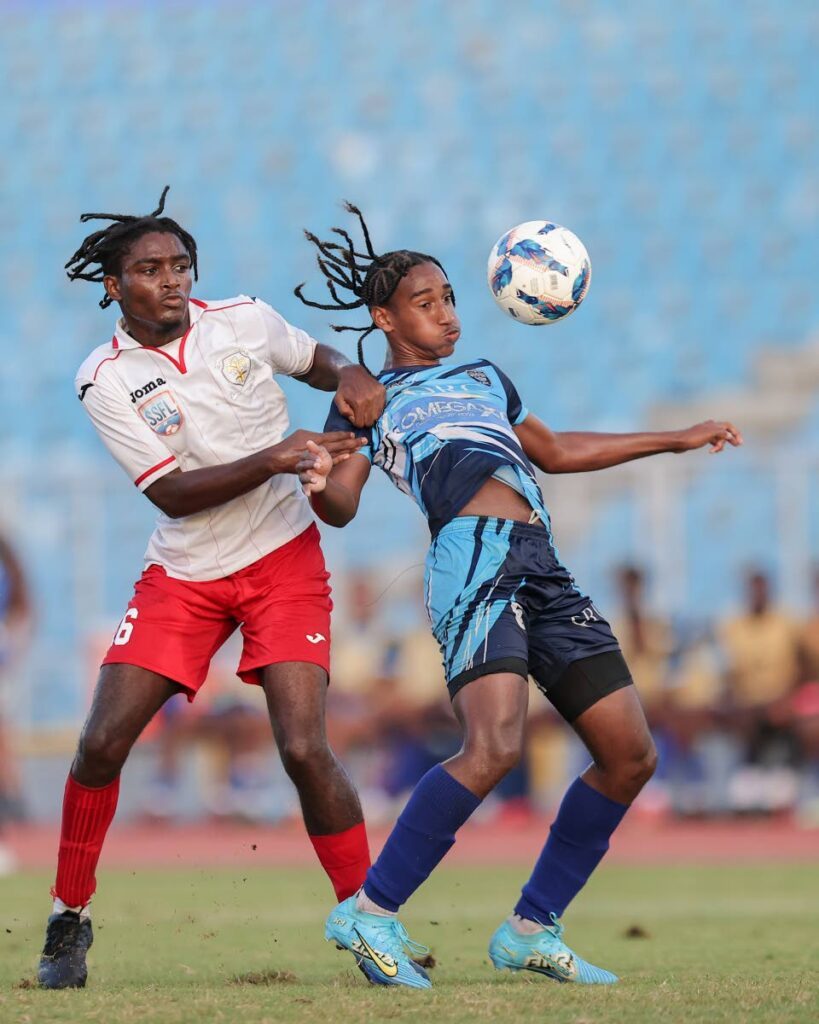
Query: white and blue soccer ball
pixel 538 272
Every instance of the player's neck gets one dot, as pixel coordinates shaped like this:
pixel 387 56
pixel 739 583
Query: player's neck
pixel 153 335
pixel 400 354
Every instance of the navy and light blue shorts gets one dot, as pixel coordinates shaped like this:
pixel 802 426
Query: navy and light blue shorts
pixel 499 600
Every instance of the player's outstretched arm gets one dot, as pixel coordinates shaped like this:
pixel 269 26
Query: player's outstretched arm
pixel 359 396
pixel 334 490
pixel 183 493
pixel 571 452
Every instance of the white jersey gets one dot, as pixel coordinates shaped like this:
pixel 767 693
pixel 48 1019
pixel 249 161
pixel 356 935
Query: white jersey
pixel 206 399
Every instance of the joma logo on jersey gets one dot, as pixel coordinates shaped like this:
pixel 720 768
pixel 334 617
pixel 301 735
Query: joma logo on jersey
pixel 146 389
pixel 161 414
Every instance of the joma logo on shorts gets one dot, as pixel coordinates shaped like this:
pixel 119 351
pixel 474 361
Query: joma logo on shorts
pixel 146 389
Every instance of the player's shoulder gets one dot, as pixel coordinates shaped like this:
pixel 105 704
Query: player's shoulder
pixel 235 306
pixel 484 371
pixel 93 364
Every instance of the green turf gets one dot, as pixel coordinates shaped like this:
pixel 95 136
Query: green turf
pixel 731 944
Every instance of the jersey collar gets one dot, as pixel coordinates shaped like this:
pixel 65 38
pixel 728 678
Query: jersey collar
pixel 122 339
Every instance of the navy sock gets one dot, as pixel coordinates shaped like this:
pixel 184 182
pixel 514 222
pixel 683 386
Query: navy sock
pixel 578 839
pixel 423 834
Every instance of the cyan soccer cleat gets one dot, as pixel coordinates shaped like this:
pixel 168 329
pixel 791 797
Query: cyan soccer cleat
pixel 379 945
pixel 545 952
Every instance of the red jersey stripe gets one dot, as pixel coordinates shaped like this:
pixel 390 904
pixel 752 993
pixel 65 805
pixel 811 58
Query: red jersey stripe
pixel 153 469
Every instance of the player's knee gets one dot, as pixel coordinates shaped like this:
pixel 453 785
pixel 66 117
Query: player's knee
pixel 303 754
pixel 100 757
pixel 635 770
pixel 495 755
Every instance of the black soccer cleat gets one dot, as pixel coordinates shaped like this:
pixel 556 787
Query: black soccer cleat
pixel 68 939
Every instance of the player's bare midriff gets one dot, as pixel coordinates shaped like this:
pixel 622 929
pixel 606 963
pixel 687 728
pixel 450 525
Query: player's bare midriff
pixel 496 498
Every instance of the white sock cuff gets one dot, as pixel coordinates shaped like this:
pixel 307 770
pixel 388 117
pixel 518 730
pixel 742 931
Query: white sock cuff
pixel 60 907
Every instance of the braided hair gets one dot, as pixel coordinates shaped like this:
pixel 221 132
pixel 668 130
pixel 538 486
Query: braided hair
pixel 107 247
pixel 370 278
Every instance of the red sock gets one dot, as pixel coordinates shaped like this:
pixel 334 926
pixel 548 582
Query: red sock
pixel 345 856
pixel 87 813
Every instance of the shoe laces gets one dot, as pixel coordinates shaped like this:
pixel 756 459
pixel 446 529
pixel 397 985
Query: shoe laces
pixel 554 927
pixel 396 938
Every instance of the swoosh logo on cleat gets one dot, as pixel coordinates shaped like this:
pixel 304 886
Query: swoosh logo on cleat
pixel 383 961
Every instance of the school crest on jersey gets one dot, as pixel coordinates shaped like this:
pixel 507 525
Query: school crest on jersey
pixel 236 368
pixel 480 377
pixel 161 413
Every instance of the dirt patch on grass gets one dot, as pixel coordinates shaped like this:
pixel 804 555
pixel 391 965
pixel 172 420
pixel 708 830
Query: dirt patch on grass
pixel 264 978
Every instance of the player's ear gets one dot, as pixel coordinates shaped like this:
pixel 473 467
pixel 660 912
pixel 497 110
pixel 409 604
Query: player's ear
pixel 111 285
pixel 381 318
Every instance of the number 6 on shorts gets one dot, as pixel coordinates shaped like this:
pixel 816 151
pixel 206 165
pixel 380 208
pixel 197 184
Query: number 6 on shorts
pixel 126 628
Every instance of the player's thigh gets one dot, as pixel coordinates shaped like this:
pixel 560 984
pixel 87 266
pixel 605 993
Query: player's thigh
pixel 125 700
pixel 296 694
pixel 492 710
pixel 615 731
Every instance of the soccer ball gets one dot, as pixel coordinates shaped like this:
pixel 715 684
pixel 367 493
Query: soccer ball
pixel 538 272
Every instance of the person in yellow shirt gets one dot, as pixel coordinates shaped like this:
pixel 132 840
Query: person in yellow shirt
pixel 760 646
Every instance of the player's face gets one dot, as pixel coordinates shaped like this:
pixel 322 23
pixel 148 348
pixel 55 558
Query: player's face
pixel 420 321
pixel 154 282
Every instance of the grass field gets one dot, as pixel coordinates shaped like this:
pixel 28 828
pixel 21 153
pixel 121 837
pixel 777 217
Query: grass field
pixel 720 944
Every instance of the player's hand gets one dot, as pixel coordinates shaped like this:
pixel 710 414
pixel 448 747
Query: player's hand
pixel 314 468
pixel 338 444
pixel 360 397
pixel 717 433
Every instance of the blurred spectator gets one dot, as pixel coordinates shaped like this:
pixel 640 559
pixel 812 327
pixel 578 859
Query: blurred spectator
pixel 761 647
pixel 216 753
pixel 15 625
pixel 413 710
pixel 808 642
pixel 645 639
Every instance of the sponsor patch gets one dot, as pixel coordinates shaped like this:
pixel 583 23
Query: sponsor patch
pixel 236 368
pixel 480 377
pixel 161 413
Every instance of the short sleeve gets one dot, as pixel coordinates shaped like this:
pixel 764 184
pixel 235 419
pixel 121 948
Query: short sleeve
pixel 515 409
pixel 291 350
pixel 335 421
pixel 127 437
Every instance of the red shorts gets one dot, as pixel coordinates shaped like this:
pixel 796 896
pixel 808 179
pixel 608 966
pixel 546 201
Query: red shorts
pixel 281 604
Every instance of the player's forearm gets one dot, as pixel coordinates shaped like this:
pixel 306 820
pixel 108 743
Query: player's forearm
pixel 335 505
pixel 327 370
pixel 181 494
pixel 585 452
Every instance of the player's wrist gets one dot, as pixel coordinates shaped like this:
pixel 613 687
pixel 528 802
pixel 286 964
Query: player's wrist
pixel 676 441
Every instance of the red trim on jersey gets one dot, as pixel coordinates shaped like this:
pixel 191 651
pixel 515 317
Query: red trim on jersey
pixel 114 342
pixel 180 362
pixel 218 309
pixel 153 469
pixel 106 360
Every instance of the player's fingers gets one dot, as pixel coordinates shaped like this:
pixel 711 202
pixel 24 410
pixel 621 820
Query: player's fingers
pixel 340 458
pixel 332 436
pixel 735 436
pixel 352 445
pixel 312 446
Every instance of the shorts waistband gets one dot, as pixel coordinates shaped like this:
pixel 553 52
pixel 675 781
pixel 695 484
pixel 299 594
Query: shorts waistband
pixel 468 524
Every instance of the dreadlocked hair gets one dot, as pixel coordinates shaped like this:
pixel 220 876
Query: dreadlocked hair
pixel 101 253
pixel 371 279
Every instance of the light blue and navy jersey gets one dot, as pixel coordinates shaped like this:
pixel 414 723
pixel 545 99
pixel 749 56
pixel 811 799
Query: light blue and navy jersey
pixel 444 432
